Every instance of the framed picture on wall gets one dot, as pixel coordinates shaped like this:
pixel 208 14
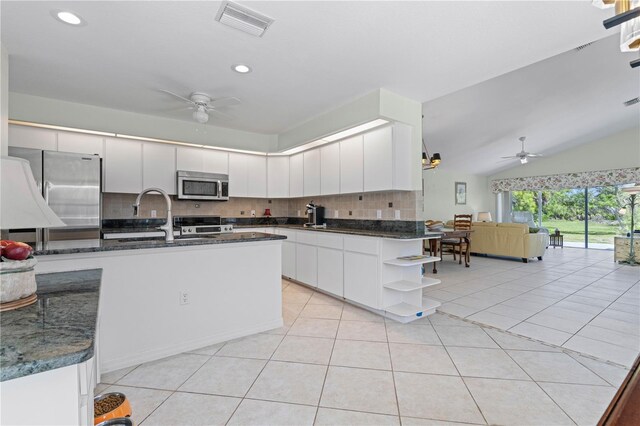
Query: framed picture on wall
pixel 461 192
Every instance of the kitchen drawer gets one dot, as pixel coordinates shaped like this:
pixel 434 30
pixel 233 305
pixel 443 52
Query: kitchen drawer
pixel 361 245
pixel 330 241
pixel 307 237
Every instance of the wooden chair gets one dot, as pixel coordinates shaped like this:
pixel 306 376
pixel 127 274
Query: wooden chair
pixel 461 222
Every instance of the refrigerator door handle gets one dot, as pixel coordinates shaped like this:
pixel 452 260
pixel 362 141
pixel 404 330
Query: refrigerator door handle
pixel 44 231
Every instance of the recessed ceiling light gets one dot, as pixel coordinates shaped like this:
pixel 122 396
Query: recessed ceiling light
pixel 69 18
pixel 241 68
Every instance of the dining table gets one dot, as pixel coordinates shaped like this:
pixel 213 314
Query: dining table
pixel 435 245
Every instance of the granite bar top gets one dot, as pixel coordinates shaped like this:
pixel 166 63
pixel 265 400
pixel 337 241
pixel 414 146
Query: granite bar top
pixel 89 246
pixel 56 331
pixel 360 232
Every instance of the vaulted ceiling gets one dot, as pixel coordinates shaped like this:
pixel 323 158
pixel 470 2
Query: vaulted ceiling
pixel 320 54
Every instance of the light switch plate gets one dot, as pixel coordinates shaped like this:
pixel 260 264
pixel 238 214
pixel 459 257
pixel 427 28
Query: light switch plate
pixel 397 214
pixel 378 214
pixel 298 213
pixel 335 213
pixel 154 213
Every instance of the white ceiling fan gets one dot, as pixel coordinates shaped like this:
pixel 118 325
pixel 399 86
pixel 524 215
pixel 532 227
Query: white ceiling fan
pixel 203 105
pixel 523 155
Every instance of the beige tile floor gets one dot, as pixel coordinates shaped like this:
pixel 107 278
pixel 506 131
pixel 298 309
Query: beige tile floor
pixel 335 364
pixel 577 299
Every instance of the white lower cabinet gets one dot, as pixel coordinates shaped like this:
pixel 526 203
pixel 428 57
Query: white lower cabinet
pixel 307 264
pixel 330 271
pixel 289 259
pixel 361 278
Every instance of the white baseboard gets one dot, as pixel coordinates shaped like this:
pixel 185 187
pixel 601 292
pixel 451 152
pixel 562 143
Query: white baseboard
pixel 130 360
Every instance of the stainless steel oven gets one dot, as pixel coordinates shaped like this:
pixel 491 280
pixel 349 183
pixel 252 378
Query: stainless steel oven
pixel 202 186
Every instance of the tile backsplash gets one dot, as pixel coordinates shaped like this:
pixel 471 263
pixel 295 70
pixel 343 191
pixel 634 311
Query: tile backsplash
pixel 349 206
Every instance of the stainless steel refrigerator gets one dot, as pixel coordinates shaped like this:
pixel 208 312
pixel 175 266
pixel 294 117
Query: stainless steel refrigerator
pixel 71 186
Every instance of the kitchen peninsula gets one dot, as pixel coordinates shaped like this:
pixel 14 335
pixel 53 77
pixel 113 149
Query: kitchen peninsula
pixel 160 299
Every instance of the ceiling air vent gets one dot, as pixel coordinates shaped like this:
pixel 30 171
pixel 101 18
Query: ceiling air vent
pixel 243 19
pixel 583 46
pixel 632 102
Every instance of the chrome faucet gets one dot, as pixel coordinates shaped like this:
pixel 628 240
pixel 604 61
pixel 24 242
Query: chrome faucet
pixel 167 227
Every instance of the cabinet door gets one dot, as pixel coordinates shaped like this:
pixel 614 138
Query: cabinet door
pixel 80 143
pixel 307 264
pixel 189 159
pixel 289 259
pixel 215 161
pixel 361 278
pixel 32 137
pixel 256 176
pixel 351 167
pixel 122 166
pixel 311 172
pixel 238 173
pixel 296 175
pixel 330 269
pixel 330 169
pixel 378 160
pixel 404 156
pixel 278 177
pixel 159 166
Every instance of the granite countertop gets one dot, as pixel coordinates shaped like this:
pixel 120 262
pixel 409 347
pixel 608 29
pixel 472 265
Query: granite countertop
pixel 89 246
pixel 349 231
pixel 56 331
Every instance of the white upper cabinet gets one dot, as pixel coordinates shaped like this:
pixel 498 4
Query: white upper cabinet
pixel 278 177
pixel 351 165
pixel 247 175
pixel 257 176
pixel 311 167
pixel 330 169
pixel 80 143
pixel 159 166
pixel 238 173
pixel 122 166
pixel 403 160
pixel 202 160
pixel 215 161
pixel 32 137
pixel 378 160
pixel 296 175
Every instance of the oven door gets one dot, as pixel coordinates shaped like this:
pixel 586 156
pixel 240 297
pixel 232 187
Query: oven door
pixel 198 189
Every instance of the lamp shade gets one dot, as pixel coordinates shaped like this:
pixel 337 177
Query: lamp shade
pixel 484 216
pixel 21 204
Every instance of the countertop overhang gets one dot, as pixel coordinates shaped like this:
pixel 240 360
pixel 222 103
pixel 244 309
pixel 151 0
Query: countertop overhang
pixel 57 331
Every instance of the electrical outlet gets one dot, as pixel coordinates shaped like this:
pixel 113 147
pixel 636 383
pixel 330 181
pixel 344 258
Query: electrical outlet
pixel 378 214
pixel 154 213
pixel 397 214
pixel 253 213
pixel 184 297
pixel 335 213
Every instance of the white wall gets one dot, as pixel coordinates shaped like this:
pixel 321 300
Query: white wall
pixel 4 100
pixel 61 113
pixel 439 199
pixel 618 151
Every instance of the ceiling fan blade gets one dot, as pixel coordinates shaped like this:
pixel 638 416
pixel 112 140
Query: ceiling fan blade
pixel 511 156
pixel 219 115
pixel 177 96
pixel 534 155
pixel 224 102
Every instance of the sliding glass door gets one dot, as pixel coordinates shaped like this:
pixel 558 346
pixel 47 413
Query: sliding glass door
pixel 587 217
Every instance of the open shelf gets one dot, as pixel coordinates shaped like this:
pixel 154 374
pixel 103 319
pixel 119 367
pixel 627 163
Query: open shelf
pixel 405 285
pixel 403 262
pixel 403 309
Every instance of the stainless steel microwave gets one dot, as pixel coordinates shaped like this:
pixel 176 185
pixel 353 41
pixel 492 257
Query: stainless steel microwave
pixel 202 186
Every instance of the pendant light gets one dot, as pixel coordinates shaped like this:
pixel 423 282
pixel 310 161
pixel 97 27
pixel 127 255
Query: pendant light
pixel 429 162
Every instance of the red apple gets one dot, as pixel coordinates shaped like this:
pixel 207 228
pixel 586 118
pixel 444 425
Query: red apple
pixel 3 244
pixel 17 251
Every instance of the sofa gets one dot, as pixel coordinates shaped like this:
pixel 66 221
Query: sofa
pixel 507 239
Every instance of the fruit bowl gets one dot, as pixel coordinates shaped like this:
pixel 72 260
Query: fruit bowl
pixel 17 277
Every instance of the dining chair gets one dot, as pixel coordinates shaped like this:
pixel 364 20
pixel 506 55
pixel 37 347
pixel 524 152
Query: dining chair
pixel 461 222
